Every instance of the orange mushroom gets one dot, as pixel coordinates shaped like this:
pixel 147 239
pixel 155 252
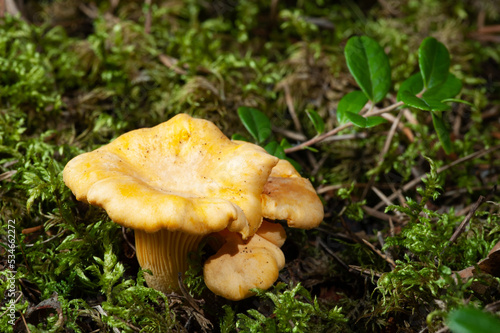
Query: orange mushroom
pixel 184 179
pixel 174 184
pixel 256 263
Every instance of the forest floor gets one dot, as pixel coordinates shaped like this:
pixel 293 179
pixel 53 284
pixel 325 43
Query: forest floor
pixel 412 211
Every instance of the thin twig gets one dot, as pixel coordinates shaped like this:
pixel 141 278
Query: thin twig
pixel 31 230
pixel 319 164
pixel 417 180
pixel 171 63
pixel 378 112
pixel 391 228
pixel 343 137
pixel 188 297
pixel 148 18
pixel 465 222
pixel 319 138
pixel 382 243
pixel 382 196
pixel 384 151
pixel 291 108
pixel 47 240
pixel 380 254
pixel 25 324
pixel 103 313
pixel 337 258
pixel 390 136
pixel 380 215
pixel 289 134
pixel 401 198
pixel 324 189
pixel 355 237
pixel 365 272
pixel 126 239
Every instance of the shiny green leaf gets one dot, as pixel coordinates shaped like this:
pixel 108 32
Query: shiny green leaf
pixel 356 119
pixel 369 65
pixel 434 61
pixel 363 122
pixel 256 123
pixel 237 136
pixel 442 131
pixel 426 104
pixel 374 121
pixel 275 149
pixel 448 89
pixel 352 102
pixel 317 121
pixel 414 85
pixel 470 320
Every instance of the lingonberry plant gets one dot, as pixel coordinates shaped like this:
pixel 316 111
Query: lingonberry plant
pixel 432 89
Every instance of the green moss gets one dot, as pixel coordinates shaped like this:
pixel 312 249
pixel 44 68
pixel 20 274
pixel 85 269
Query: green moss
pixel 73 80
pixel 293 311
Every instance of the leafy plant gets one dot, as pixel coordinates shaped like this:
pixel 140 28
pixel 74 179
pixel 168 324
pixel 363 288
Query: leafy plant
pixel 256 123
pixel 430 90
pixel 427 269
pixel 259 127
pixel 472 320
pixel 70 88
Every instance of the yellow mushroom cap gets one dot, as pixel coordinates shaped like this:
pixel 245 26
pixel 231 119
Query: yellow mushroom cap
pixel 239 266
pixel 182 175
pixel 288 196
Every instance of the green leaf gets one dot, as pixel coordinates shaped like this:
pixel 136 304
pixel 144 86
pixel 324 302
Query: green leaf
pixel 285 144
pixel 448 89
pixel 363 122
pixel 370 67
pixel 317 121
pixel 442 132
pixel 414 85
pixel 352 102
pixel 374 121
pixel 295 164
pixel 427 104
pixel 312 149
pixel 356 119
pixel 470 320
pixel 457 100
pixel 434 61
pixel 275 149
pixel 256 123
pixel 239 137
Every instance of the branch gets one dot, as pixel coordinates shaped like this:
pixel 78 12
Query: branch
pixel 319 138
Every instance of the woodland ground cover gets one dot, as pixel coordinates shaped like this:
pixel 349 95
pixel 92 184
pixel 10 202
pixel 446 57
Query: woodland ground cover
pixel 408 204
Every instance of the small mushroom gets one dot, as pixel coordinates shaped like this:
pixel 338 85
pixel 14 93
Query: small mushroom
pixel 239 266
pixel 174 184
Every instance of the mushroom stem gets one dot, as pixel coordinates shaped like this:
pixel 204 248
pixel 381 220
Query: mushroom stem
pixel 165 253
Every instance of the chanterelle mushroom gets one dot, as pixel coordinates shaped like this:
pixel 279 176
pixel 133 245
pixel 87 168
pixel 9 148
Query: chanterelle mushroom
pixel 239 265
pixel 173 184
pixel 256 263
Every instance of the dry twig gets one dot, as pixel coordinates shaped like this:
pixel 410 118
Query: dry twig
pixel 465 222
pixel 417 180
pixel 319 138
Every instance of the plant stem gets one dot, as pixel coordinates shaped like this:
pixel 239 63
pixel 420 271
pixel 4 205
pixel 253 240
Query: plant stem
pixel 319 138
